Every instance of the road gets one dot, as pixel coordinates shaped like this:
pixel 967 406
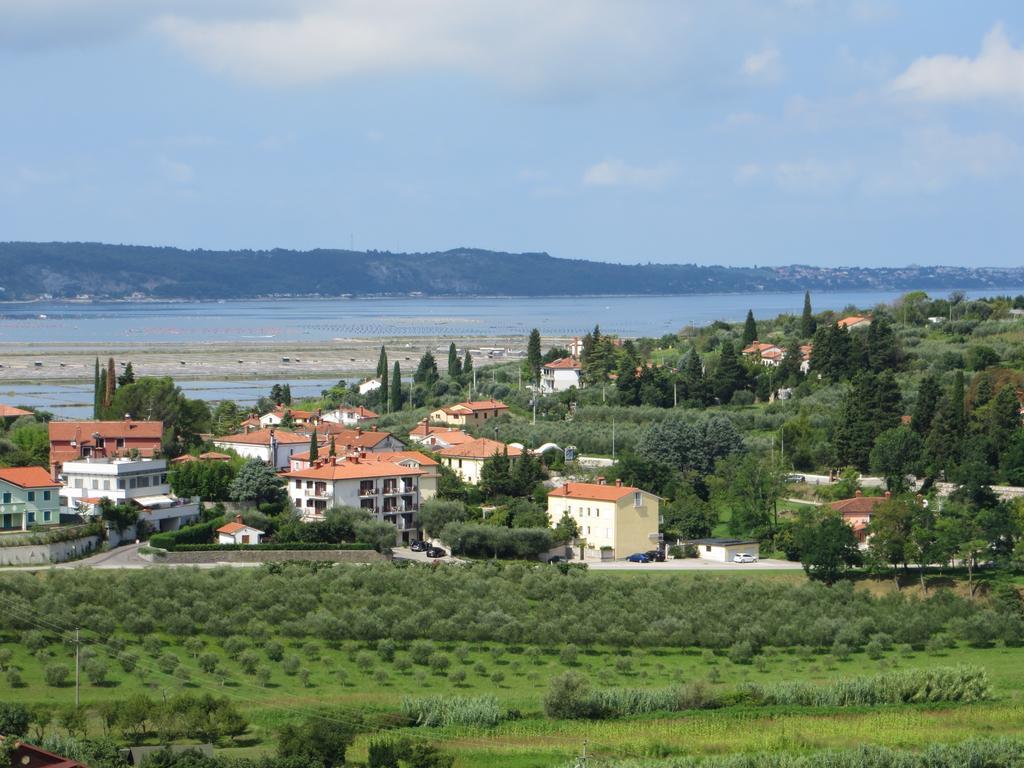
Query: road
pixel 126 557
pixel 696 564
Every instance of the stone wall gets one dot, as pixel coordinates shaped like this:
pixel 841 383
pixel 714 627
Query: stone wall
pixel 268 556
pixel 41 554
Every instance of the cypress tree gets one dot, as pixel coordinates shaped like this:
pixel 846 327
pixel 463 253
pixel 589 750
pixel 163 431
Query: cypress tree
pixel 808 325
pixel 534 357
pixel 287 391
pixel 395 402
pixel 382 363
pixel 102 393
pixel 97 398
pixel 385 391
pixel 927 401
pixel 749 329
pixel 467 363
pixel 332 452
pixel 111 384
pixel 729 376
pixel 454 364
pixel 314 449
pixel 426 371
pixel 693 380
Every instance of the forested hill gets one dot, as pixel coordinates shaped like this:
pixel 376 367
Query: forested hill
pixel 96 270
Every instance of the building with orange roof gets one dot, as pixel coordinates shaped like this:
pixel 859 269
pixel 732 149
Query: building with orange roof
pixel 854 321
pixel 560 375
pixel 28 496
pixel 282 412
pixel 347 439
pixel 428 481
pixel 435 438
pixel 389 490
pixel 207 456
pixel 237 532
pixel 617 519
pixel 467 459
pixel 469 413
pixel 10 412
pixel 74 440
pixel 857 512
pixel 349 415
pixel 273 446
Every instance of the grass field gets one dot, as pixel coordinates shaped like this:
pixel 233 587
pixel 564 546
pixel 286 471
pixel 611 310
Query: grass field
pixel 353 680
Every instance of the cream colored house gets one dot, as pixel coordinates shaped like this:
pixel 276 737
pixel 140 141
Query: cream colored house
pixel 617 516
pixel 467 459
pixel 469 413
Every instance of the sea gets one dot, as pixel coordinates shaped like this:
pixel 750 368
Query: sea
pixel 68 324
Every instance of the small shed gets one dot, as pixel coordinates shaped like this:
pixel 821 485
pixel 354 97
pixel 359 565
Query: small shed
pixel 724 550
pixel 238 533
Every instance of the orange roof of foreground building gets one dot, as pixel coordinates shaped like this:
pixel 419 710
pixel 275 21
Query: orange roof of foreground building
pixel 758 347
pixel 28 477
pixel 262 437
pixel 852 320
pixel 82 431
pixel 480 448
pixel 10 412
pixel 564 363
pixel 593 491
pixel 352 469
pixel 858 505
pixel 475 405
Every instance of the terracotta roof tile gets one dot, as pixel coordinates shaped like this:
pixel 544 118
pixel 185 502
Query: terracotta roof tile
pixel 593 491
pixel 28 477
pixel 262 437
pixel 480 448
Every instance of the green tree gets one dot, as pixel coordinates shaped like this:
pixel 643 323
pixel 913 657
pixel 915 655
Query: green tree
pixel 927 402
pixel 729 376
pixel 314 446
pixel 945 441
pixel 14 719
pixel 827 546
pixel 890 532
pixel 256 482
pixel 210 480
pixel 382 364
pixel 158 399
pixel 534 356
pixel 436 513
pixel 895 455
pixel 426 371
pixel 467 364
pixel 226 418
pixel 496 475
pixel 127 376
pixel 751 486
pixel 695 385
pixel 320 742
pixel 808 325
pixel 789 373
pixel 120 517
pixel 111 383
pixel 97 397
pixel 749 329
pixel 454 364
pixel 395 400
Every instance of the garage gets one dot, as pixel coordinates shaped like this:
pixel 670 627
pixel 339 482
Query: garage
pixel 724 550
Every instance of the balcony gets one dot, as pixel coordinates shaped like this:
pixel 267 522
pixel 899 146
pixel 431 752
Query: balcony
pixel 368 491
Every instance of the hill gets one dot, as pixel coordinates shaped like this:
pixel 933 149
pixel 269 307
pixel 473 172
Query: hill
pixel 97 270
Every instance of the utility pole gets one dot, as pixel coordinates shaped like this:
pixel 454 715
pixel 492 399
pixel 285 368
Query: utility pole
pixel 535 395
pixel 675 394
pixel 613 438
pixel 78 671
pixel 581 761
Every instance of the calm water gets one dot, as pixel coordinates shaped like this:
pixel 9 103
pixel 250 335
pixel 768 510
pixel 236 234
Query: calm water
pixel 326 319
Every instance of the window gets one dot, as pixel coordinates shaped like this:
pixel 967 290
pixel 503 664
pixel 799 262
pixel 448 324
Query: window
pixel 638 499
pixel 597 512
pixel 120 442
pixel 298 483
pixel 31 495
pixel 95 483
pixel 31 518
pixel 46 495
pixel 7 498
pixel 707 547
pixel 144 481
pixel 120 484
pixel 46 515
pixel 131 482
pixel 163 479
pixel 106 485
pixel 298 502
pixel 79 483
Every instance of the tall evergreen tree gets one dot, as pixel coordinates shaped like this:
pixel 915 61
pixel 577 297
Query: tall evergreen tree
pixel 749 329
pixel 534 356
pixel 883 353
pixel 730 376
pixel 467 363
pixel 808 325
pixel 927 401
pixel 395 401
pixel 101 413
pixel 454 364
pixel 945 442
pixel 97 396
pixel 382 363
pixel 287 393
pixel 332 451
pixel 694 382
pixel 314 448
pixel 111 383
pixel 1003 418
pixel 789 368
pixel 127 377
pixel 426 371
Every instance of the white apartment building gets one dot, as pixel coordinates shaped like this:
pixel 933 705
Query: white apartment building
pixel 388 490
pixel 560 375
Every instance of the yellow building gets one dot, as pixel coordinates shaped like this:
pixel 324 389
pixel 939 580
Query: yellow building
pixel 617 516
pixel 469 413
pixel 467 459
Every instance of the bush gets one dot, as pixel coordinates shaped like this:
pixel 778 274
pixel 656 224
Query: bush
pixel 56 675
pixel 568 655
pixel 478 540
pixel 386 649
pixel 421 651
pixel 199 533
pixel 439 711
pixel 741 652
pixel 570 697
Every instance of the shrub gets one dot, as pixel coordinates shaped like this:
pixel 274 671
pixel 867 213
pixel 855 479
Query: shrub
pixel 570 697
pixel 439 711
pixel 56 675
pixel 568 655
pixel 741 652
pixel 420 652
pixel 386 649
pixel 291 664
pixel 14 678
pixel 439 663
pixel 274 651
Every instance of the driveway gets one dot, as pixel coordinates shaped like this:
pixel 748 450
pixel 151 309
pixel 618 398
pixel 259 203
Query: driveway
pixel 696 564
pixel 404 553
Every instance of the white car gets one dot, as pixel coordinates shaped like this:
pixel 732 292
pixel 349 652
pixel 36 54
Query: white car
pixel 743 557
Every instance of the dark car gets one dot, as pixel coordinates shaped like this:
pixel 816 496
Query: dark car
pixel 418 546
pixel 436 552
pixel 656 556
pixel 638 557
pixel 556 559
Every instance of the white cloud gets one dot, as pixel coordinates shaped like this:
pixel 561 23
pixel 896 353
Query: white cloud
pixel 763 65
pixel 615 173
pixel 997 72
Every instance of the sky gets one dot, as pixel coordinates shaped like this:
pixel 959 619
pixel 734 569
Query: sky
pixel 737 132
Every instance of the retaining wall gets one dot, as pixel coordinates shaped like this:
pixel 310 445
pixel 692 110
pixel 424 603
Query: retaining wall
pixel 41 554
pixel 269 556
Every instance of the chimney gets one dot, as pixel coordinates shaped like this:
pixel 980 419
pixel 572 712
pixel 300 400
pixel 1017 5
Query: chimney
pixel 888 494
pixel 618 482
pixel 238 519
pixel 373 428
pixel 858 494
pixel 600 479
pixel 359 431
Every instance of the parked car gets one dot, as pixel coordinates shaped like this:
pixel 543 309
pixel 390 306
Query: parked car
pixel 795 479
pixel 436 552
pixel 744 557
pixel 418 546
pixel 556 559
pixel 656 555
pixel 638 557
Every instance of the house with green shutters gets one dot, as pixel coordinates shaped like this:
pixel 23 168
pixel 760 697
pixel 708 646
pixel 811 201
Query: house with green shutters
pixel 28 496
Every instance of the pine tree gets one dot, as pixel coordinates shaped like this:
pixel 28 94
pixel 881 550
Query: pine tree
pixel 1003 418
pixel 694 383
pixel 287 392
pixel 882 351
pixel 729 377
pixel 467 364
pixel 534 356
pixel 495 475
pixel 454 364
pixel 927 401
pixel 97 397
pixel 111 384
pixel 314 448
pixel 945 442
pixel 332 451
pixel 102 393
pixel 808 325
pixel 983 392
pixel 128 377
pixel 525 474
pixel 395 401
pixel 749 329
pixel 426 371
pixel 382 363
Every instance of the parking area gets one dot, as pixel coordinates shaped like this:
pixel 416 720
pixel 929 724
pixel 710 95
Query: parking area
pixel 404 553
pixel 695 564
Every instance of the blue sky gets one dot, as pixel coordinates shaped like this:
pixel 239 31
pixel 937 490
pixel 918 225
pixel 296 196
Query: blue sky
pixel 718 132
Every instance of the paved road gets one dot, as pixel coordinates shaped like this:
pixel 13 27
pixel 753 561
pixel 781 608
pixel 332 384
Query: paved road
pixel 696 564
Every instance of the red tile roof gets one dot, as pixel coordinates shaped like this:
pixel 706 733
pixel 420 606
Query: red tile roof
pixel 343 436
pixel 236 527
pixel 593 491
pixel 858 505
pixel 759 347
pixel 480 448
pixel 9 412
pixel 349 469
pixel 846 322
pixel 28 477
pixel 82 431
pixel 476 405
pixel 399 456
pixel 564 363
pixel 262 437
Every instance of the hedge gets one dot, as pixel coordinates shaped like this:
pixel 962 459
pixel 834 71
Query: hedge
pixel 199 533
pixel 291 545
